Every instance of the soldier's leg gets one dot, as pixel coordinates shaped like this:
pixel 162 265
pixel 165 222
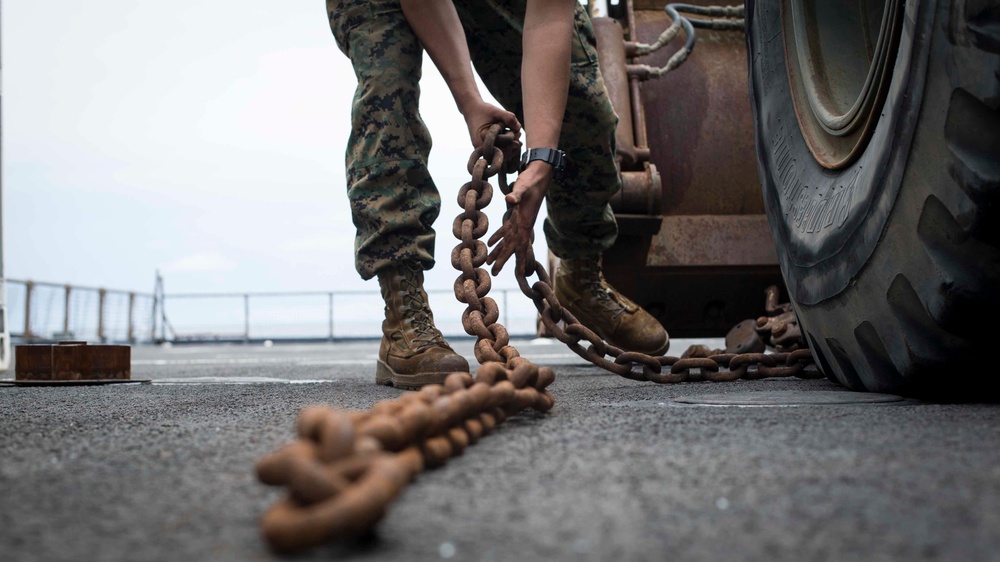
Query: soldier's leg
pixel 580 225
pixel 393 200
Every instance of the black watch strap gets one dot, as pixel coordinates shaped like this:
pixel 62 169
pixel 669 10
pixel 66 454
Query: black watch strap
pixel 552 156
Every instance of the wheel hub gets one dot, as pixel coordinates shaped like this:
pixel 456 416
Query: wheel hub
pixel 840 56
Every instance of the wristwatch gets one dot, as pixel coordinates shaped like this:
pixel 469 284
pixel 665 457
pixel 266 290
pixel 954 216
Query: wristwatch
pixel 552 156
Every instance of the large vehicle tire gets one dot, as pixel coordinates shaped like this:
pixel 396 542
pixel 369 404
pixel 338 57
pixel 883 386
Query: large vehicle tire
pixel 878 144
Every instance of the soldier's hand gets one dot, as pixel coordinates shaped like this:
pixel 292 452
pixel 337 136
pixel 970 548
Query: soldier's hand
pixel 516 235
pixel 480 116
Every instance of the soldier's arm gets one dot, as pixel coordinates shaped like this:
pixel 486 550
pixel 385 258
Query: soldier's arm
pixel 545 67
pixel 436 24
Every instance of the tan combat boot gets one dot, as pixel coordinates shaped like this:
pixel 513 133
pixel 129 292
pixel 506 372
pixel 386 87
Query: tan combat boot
pixel 413 352
pixel 581 288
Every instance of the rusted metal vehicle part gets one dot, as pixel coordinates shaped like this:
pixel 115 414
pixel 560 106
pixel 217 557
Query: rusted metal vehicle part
pixel 72 361
pixel 778 330
pixel 780 327
pixel 690 214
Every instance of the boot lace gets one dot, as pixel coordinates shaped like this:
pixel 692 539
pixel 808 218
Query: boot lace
pixel 603 295
pixel 422 319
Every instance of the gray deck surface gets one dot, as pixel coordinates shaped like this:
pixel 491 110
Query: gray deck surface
pixel 618 470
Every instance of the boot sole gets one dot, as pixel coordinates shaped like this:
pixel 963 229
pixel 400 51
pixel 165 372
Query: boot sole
pixel 662 350
pixel 582 317
pixel 384 375
pixel 652 352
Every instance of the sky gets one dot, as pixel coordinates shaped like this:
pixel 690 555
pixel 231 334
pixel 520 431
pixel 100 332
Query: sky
pixel 201 139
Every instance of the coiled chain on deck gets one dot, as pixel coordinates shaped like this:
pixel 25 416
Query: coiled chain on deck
pixel 346 467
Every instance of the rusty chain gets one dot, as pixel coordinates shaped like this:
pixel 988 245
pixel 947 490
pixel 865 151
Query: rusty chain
pixel 498 152
pixel 346 467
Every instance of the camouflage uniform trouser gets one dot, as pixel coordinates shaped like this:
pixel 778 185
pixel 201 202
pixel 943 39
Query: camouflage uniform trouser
pixel 394 201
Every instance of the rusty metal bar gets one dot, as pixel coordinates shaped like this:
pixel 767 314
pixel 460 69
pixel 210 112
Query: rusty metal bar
pixel 638 111
pixel 641 192
pixel 639 119
pixel 611 58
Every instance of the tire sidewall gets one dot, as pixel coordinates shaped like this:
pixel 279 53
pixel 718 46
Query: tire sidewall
pixel 827 223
